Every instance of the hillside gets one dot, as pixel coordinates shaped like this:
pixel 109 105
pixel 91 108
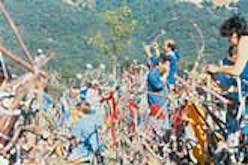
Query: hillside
pixel 53 24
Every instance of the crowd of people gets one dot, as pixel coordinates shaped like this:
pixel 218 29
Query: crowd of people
pixel 147 116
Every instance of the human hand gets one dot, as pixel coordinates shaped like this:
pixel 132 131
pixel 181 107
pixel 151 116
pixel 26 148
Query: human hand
pixel 155 45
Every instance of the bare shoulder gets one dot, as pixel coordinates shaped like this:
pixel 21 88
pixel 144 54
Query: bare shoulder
pixel 243 47
pixel 243 42
pixel 244 39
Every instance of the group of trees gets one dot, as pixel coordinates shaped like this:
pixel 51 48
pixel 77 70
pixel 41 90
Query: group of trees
pixel 119 27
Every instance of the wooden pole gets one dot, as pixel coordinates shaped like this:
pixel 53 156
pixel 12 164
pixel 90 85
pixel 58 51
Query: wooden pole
pixel 17 59
pixel 15 30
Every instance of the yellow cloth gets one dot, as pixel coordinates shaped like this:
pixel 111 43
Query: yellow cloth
pixel 74 114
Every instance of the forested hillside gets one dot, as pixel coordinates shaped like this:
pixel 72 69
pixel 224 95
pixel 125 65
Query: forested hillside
pixel 66 28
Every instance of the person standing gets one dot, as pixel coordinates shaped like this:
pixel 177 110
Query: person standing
pixel 158 91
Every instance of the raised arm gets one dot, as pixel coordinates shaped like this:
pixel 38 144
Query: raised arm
pixel 147 49
pixel 156 49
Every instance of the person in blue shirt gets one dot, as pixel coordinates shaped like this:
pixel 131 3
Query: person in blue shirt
pixel 157 89
pixel 174 55
pixel 86 129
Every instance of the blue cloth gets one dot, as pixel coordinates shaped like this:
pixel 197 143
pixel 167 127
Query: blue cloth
pixel 83 93
pixel 155 85
pixel 177 54
pixel 245 128
pixel 86 130
pixel 225 80
pixel 227 62
pixel 174 56
pixel 244 80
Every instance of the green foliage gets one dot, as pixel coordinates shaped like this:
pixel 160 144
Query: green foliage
pixel 120 25
pixel 52 24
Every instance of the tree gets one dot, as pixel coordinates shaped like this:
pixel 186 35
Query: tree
pixel 120 26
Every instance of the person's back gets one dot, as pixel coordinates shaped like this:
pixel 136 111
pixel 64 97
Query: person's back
pixel 174 55
pixel 173 67
pixel 87 129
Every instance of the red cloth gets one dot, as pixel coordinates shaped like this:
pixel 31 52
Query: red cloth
pixel 177 120
pixel 114 135
pixel 113 114
pixel 134 114
pixel 111 99
pixel 157 111
pixel 132 104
